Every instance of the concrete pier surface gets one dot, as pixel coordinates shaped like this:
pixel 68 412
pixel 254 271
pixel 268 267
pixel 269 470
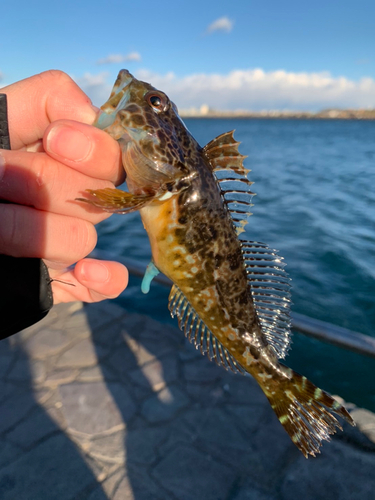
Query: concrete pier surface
pixel 98 403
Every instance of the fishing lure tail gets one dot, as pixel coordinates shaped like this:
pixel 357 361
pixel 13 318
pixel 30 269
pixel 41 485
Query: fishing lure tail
pixel 305 412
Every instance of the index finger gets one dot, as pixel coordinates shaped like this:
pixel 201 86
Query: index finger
pixel 37 101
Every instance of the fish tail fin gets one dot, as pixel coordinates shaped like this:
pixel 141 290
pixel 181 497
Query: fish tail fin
pixel 305 412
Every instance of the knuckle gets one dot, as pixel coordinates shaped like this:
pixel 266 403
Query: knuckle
pixel 56 77
pixel 83 237
pixel 11 231
pixel 54 87
pixel 62 98
pixel 41 172
pixel 43 181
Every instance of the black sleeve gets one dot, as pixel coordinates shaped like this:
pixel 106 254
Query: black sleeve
pixel 25 285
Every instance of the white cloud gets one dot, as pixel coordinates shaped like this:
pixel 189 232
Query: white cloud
pixel 251 89
pixel 221 24
pixel 118 58
pixel 97 87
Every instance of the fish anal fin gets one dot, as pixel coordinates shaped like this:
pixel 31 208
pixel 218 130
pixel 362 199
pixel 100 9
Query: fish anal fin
pixel 222 153
pixel 117 201
pixel 198 333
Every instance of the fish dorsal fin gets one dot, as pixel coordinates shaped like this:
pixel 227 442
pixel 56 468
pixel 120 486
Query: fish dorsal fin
pixel 270 289
pixel 222 152
pixel 197 332
pixel 227 165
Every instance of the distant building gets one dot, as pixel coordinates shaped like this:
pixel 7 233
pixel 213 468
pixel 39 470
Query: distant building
pixel 204 109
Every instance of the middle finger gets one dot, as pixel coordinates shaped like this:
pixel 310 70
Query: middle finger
pixel 37 180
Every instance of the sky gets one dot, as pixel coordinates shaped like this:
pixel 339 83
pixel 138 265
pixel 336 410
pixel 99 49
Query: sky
pixel 244 54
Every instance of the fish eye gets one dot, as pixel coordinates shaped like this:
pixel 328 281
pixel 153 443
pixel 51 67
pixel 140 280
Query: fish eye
pixel 157 100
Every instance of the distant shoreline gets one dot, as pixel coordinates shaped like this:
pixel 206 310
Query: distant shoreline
pixel 329 114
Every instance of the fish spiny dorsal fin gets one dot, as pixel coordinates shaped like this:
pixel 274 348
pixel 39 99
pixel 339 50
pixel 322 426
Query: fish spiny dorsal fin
pixel 227 165
pixel 270 289
pixel 222 153
pixel 197 332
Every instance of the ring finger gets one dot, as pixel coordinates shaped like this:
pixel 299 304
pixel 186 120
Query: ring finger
pixel 61 240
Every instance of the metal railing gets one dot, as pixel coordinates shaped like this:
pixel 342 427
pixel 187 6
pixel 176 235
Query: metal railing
pixel 320 330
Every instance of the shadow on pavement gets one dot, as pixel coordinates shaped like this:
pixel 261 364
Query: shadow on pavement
pixel 37 459
pixel 97 403
pixel 189 431
pixel 193 430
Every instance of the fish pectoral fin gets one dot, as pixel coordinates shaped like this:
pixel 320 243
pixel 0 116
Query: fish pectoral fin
pixel 117 201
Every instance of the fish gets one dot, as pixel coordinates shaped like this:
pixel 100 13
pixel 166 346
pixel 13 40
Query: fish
pixel 231 295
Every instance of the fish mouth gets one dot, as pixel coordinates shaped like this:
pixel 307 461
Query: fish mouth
pixel 123 80
pixel 116 101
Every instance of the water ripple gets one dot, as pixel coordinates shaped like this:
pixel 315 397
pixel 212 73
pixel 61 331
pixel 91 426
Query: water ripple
pixel 315 202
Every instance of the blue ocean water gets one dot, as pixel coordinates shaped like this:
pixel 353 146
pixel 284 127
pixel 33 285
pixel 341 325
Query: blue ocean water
pixel 315 203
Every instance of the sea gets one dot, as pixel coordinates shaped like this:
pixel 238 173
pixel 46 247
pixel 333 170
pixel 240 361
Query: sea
pixel 315 202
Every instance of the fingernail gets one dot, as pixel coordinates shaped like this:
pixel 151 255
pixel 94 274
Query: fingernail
pixel 94 271
pixel 68 143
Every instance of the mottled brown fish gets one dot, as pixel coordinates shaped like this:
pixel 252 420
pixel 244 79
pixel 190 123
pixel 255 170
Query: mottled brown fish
pixel 230 295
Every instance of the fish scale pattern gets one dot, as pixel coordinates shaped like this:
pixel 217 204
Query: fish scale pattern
pixel 269 283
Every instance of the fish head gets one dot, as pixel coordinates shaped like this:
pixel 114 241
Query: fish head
pixel 156 145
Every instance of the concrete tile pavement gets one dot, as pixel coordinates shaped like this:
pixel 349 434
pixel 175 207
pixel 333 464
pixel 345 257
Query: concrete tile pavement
pixel 97 403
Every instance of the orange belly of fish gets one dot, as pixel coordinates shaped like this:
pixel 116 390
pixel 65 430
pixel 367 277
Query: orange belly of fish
pixel 160 219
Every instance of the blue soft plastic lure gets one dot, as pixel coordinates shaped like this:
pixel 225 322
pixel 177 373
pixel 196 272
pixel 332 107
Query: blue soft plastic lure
pixel 150 273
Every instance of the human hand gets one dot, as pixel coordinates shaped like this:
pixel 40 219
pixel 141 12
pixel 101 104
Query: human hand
pixel 56 155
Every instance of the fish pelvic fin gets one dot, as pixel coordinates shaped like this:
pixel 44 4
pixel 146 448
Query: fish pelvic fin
pixel 305 411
